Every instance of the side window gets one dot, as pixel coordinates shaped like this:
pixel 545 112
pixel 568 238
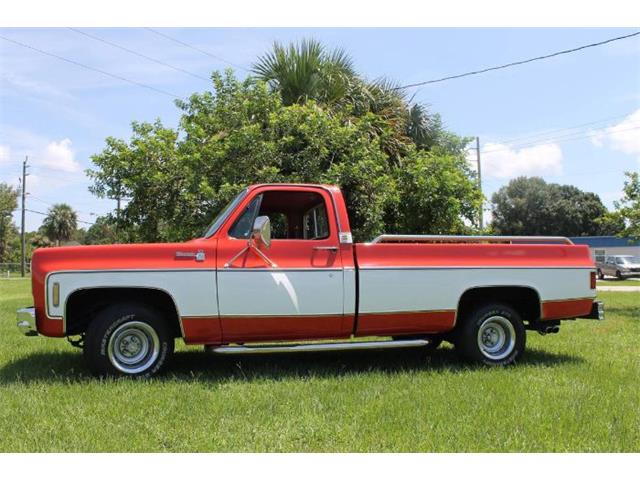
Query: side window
pixel 243 225
pixel 316 223
pixel 293 214
pixel 599 255
pixel 619 261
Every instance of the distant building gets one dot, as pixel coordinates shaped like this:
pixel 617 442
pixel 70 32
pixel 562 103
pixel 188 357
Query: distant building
pixel 601 246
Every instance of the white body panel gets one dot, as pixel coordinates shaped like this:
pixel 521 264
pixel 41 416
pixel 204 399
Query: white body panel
pixel 275 292
pixel 417 289
pixel 193 291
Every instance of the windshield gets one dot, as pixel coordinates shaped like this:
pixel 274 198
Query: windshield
pixel 630 259
pixel 224 213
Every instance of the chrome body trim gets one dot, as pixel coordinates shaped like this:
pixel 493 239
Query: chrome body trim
pixel 26 321
pixel 470 239
pixel 319 347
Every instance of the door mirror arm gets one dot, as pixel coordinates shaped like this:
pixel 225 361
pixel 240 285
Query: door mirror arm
pixel 260 238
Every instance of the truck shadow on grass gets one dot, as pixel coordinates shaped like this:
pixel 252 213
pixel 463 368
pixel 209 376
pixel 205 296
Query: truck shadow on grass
pixel 68 367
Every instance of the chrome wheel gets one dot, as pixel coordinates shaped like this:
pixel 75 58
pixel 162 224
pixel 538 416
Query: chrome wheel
pixel 496 338
pixel 133 347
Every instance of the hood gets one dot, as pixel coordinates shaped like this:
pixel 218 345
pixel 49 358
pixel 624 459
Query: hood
pixel 119 257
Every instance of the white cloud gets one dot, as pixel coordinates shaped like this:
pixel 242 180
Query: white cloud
pixel 60 156
pixel 623 136
pixel 5 153
pixel 503 162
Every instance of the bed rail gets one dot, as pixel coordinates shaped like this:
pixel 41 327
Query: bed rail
pixel 470 239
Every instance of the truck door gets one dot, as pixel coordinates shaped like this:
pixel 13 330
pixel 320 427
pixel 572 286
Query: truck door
pixel 292 289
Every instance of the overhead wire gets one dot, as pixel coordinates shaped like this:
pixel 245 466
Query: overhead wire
pixel 141 55
pixel 519 62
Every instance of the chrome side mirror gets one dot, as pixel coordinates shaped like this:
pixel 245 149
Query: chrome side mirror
pixel 261 234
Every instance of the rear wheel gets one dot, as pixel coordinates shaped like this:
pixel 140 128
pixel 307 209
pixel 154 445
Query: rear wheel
pixel 600 274
pixel 618 275
pixel 492 334
pixel 128 340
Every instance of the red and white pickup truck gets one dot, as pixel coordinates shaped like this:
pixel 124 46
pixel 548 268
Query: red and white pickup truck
pixel 279 264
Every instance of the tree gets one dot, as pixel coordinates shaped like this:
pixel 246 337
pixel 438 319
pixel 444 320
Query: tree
pixel 308 118
pixel 102 232
pixel 531 206
pixel 627 212
pixel 8 203
pixel 60 223
pixel 306 71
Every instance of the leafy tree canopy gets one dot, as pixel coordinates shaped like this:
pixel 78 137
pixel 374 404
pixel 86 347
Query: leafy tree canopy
pixel 243 133
pixel 531 206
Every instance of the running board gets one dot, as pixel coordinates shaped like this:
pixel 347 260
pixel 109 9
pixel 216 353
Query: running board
pixel 318 347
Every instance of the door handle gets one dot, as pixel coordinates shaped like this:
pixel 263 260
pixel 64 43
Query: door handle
pixel 199 256
pixel 332 249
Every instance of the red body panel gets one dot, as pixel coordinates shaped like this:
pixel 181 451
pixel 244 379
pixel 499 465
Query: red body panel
pixel 566 308
pixel 472 255
pixel 405 322
pixel 153 256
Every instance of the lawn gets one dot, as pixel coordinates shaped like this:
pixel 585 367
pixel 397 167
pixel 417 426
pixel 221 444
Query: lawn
pixel 628 282
pixel 575 391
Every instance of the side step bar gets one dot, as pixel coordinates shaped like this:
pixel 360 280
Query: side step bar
pixel 318 347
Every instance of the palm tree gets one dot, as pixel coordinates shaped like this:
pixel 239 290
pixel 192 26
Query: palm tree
pixel 60 223
pixel 306 71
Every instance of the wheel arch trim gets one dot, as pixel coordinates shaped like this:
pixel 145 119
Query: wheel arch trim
pixel 120 287
pixel 481 287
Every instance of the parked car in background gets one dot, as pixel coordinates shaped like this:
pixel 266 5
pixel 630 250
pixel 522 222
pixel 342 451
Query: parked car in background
pixel 619 266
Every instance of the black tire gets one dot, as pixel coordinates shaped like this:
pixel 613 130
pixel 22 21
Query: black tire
pixel 118 327
pixel 618 275
pixel 600 274
pixel 492 334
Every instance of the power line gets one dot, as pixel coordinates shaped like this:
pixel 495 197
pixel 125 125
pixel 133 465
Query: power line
pixel 197 49
pixel 73 62
pixel 548 132
pixel 133 52
pixel 519 62
pixel 564 138
pixel 46 214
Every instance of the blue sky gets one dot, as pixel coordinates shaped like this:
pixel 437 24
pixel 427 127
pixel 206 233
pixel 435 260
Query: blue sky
pixel 59 114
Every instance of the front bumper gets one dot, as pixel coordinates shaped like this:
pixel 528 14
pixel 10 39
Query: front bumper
pixel 26 321
pixel 597 311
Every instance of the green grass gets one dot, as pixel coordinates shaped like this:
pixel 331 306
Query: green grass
pixel 620 283
pixel 575 391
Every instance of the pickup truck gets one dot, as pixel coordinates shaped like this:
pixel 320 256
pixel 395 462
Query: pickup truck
pixel 278 265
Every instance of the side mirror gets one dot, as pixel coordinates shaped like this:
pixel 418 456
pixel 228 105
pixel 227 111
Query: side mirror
pixel 261 234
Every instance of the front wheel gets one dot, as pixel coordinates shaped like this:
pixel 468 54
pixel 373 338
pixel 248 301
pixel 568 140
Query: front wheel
pixel 492 334
pixel 128 340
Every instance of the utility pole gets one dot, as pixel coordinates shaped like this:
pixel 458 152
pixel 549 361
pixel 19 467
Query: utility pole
pixel 480 182
pixel 24 195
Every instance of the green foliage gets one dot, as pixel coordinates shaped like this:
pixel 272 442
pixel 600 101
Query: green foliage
pixel 103 232
pixel 628 209
pixel 60 223
pixel 306 71
pixel 243 133
pixel 8 203
pixel 307 117
pixel 531 206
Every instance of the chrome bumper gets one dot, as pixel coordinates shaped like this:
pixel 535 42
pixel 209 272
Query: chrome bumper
pixel 27 321
pixel 597 311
